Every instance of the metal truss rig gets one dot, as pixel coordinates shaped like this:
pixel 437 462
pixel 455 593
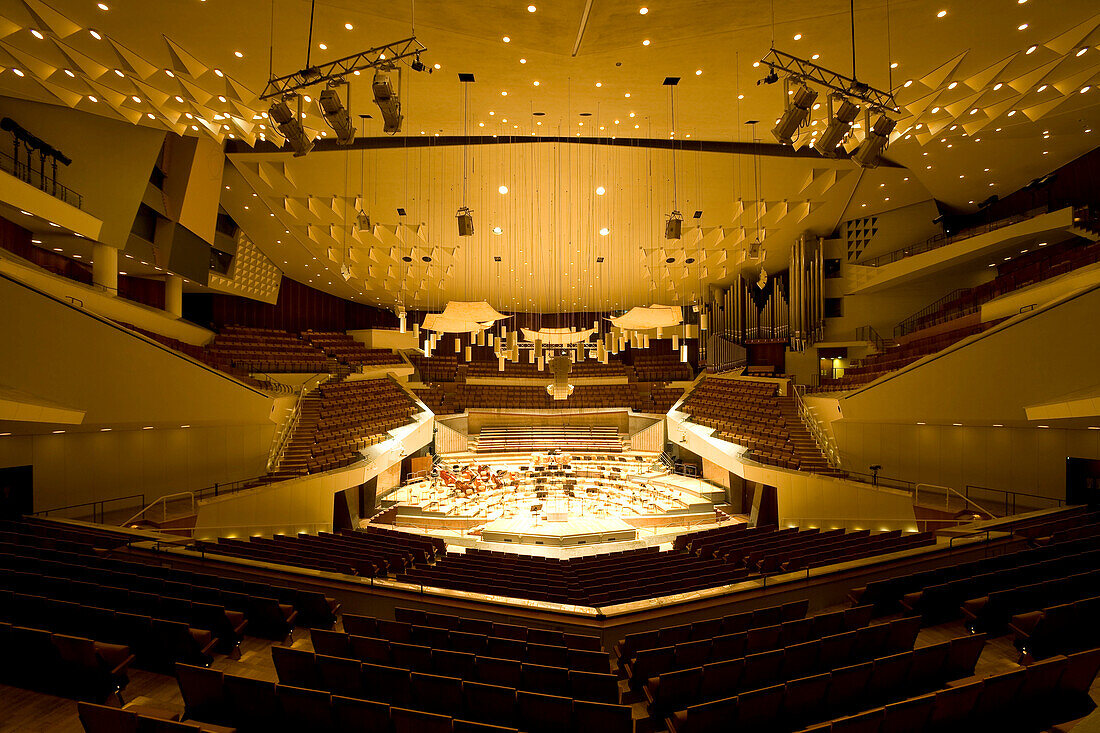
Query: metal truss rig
pixel 385 56
pixel 794 66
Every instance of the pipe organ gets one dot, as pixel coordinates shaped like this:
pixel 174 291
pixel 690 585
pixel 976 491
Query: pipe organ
pixel 807 292
pixel 787 307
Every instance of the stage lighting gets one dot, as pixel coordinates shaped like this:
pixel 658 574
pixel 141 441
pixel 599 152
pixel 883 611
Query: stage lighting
pixel 769 79
pixel 674 225
pixel 387 102
pixel 290 127
pixel 362 220
pixel 866 155
pixel 796 114
pixel 837 129
pixel 465 222
pixel 336 115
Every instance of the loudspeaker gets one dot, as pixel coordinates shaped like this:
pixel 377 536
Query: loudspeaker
pixel 673 228
pixel 466 224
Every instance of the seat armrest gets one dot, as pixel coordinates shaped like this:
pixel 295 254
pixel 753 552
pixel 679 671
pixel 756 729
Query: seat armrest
pixel 116 657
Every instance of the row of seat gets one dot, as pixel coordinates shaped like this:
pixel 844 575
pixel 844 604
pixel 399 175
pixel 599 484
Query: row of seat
pixel 411 647
pixel 799 701
pixel 60 664
pixel 1054 691
pixel 732 674
pixel 256 705
pixel 684 654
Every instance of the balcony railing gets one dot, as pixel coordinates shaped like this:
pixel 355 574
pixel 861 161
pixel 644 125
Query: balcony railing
pixel 942 240
pixel 41 180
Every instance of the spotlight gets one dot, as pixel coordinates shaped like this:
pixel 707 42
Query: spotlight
pixel 878 136
pixel 290 127
pixel 769 79
pixel 362 220
pixel 795 115
pixel 336 115
pixel 837 129
pixel 465 222
pixel 387 102
pixel 674 225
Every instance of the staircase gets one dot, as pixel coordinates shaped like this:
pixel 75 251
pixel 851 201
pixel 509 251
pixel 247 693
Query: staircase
pixel 810 457
pixel 299 449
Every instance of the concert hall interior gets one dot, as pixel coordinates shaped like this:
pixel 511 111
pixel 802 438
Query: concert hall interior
pixel 582 366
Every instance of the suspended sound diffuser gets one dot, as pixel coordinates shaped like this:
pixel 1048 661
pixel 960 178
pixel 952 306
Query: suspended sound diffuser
pixel 480 338
pixel 703 322
pixel 416 331
pixel 684 353
pixel 675 343
pixel 401 321
pixel 500 363
pixel 469 353
pixel 458 344
pixel 490 338
pixel 541 360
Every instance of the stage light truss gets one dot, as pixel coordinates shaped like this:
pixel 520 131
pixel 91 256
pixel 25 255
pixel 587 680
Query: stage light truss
pixel 381 57
pixel 792 66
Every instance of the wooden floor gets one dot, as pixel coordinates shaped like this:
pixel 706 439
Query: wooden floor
pixel 34 712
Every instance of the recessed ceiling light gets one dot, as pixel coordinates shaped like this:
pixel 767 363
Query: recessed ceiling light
pixel 643 11
pixel 218 72
pixel 238 54
pixel 504 94
pixel 1085 88
pixel 92 99
pixel 941 13
pixel 348 26
pixel 604 232
pixel 1081 52
pixel 523 61
pixel 95 35
pixel 506 39
pixel 58 432
pixel 1031 49
pixel 798 36
pixel 600 190
pixel 531 8
pixel 322 46
pixel 816 56
pixel 935 110
pixel 645 42
pixel 894 65
pixel 1022 27
pixel 37 34
pixel 102 6
pixel 503 190
pixel 997 86
pixel 698 72
pixel 599 84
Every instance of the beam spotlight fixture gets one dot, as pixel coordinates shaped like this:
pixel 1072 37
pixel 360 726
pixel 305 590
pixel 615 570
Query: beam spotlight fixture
pixel 290 126
pixel 465 222
pixel 771 78
pixel 796 114
pixel 867 153
pixel 388 101
pixel 840 124
pixel 674 225
pixel 336 115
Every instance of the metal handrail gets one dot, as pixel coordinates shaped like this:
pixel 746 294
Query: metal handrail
pixel 1013 495
pixel 97 503
pixel 910 324
pixel 824 439
pixel 868 333
pixel 163 502
pixel 35 178
pixel 948 492
pixel 282 437
pixel 942 240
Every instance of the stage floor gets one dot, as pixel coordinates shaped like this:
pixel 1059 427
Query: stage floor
pixel 572 531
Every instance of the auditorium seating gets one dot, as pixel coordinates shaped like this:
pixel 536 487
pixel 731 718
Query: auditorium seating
pixel 752 413
pixel 1021 271
pixel 347 350
pixel 897 357
pixel 585 438
pixel 633 575
pixel 588 369
pixel 656 365
pixel 373 552
pixel 340 419
pixel 267 350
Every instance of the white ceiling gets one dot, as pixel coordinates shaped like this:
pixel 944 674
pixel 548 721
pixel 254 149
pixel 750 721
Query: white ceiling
pixel 975 46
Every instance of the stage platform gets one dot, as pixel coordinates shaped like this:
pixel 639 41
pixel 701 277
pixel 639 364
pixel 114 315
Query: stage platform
pixel 570 532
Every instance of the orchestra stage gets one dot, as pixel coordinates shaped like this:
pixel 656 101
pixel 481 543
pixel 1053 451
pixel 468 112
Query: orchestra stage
pixel 568 532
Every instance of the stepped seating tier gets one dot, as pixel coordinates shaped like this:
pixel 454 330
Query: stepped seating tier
pixel 752 413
